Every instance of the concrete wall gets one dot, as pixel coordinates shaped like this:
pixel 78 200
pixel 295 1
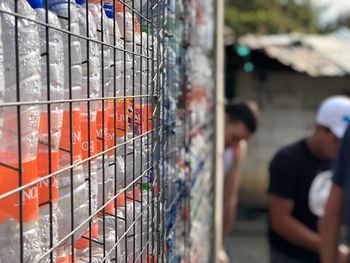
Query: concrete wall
pixel 288 104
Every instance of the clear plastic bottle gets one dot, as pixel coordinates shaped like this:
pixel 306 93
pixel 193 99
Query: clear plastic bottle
pixel 110 237
pixel 64 255
pixel 115 40
pixel 72 53
pixel 105 177
pixel 2 78
pixel 56 89
pixel 91 85
pixel 83 246
pixel 126 39
pixel 121 227
pixel 116 163
pixel 29 89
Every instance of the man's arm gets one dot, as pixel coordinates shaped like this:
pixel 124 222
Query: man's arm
pixel 231 190
pixel 231 187
pixel 330 226
pixel 283 222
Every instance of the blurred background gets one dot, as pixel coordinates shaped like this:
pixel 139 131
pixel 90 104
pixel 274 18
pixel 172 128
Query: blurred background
pixel 287 55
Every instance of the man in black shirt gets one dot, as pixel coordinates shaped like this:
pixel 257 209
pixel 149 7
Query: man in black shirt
pixel 293 227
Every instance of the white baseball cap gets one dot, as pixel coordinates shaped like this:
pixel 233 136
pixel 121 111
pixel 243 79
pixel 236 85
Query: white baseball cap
pixel 334 113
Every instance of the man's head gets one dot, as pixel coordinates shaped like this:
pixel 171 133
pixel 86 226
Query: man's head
pixel 240 121
pixel 332 119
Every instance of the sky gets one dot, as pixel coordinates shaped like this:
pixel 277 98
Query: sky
pixel 332 9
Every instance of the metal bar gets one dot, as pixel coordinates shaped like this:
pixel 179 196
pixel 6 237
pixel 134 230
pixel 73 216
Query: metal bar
pixel 28 103
pixel 19 139
pixel 219 130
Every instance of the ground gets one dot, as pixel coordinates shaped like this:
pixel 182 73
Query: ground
pixel 250 240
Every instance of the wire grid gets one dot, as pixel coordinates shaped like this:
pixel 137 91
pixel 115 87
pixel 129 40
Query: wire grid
pixel 143 195
pixel 190 131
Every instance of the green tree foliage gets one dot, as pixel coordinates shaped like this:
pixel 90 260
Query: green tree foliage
pixel 270 16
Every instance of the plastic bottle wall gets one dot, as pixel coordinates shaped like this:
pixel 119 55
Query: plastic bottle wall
pixel 106 130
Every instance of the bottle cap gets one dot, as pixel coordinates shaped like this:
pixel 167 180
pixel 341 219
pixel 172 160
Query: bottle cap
pixel 119 7
pixel 137 26
pixel 96 2
pixel 36 3
pixel 80 2
pixel 109 12
pixel 108 6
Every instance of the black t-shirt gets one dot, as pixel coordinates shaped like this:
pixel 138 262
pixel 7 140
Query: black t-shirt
pixel 292 171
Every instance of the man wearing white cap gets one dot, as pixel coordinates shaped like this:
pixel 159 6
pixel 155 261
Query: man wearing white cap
pixel 295 172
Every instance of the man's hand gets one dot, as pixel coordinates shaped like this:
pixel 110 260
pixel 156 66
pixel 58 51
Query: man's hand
pixel 222 257
pixel 331 252
pixel 343 254
pixel 286 225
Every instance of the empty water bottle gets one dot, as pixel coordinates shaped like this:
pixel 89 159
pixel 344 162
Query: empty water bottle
pixel 25 161
pixel 91 86
pixel 72 86
pixel 55 86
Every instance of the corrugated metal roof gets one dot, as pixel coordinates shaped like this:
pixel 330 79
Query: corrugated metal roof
pixel 316 55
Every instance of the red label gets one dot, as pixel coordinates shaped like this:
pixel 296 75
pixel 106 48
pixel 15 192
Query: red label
pixel 65 136
pixel 117 119
pixel 9 180
pixel 102 136
pixel 85 135
pixel 43 170
pixel 83 242
pixel 143 118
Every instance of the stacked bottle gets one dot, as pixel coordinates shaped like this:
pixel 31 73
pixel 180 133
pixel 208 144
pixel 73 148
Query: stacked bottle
pixel 91 86
pixel 105 190
pixel 71 181
pixel 52 88
pixel 20 166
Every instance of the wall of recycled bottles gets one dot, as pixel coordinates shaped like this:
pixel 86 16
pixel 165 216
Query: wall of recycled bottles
pixel 189 118
pixel 107 130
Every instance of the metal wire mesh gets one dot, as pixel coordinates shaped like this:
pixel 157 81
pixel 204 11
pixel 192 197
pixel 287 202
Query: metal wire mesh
pixel 106 130
pixel 81 170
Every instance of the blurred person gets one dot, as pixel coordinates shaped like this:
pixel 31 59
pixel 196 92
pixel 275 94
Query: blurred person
pixel 240 124
pixel 338 203
pixel 293 224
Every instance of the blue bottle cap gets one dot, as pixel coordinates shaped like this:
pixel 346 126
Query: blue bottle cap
pixel 80 2
pixel 36 4
pixel 109 13
pixel 108 6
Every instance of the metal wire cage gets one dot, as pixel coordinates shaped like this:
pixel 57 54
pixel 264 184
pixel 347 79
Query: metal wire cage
pixel 81 90
pixel 106 130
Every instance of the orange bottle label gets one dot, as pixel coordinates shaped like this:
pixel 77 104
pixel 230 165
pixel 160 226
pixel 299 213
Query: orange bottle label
pixel 149 116
pixel 110 208
pixel 117 123
pixel 83 242
pixel 121 115
pixel 43 170
pixel 102 122
pixel 9 180
pixel 65 136
pixel 85 136
pixel 143 118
